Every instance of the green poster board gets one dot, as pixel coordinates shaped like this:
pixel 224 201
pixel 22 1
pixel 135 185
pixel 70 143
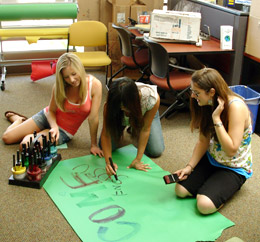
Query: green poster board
pixel 137 208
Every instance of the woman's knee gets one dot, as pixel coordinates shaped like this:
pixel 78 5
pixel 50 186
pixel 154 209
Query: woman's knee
pixel 7 138
pixel 154 153
pixel 205 205
pixel 181 191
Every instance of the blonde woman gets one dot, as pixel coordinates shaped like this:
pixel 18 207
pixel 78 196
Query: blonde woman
pixel 75 97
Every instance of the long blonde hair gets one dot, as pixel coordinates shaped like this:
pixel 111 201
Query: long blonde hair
pixel 65 60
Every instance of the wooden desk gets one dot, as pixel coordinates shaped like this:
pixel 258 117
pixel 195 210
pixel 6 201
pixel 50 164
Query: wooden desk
pixel 209 47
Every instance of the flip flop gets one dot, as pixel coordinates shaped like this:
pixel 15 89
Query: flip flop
pixel 14 113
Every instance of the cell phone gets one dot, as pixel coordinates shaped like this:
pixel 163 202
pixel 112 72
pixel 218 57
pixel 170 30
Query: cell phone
pixel 172 178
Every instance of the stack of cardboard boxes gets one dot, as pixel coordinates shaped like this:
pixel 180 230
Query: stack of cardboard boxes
pixel 115 11
pixel 118 13
pixel 122 9
pixel 253 31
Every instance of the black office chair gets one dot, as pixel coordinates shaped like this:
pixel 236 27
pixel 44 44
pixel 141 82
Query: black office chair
pixel 133 57
pixel 169 78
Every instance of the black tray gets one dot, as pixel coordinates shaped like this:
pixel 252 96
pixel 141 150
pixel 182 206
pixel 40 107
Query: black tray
pixel 35 184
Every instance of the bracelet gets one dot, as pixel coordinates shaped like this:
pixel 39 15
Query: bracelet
pixel 218 124
pixel 192 169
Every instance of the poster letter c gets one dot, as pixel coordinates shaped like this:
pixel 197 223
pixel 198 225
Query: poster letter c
pixel 102 232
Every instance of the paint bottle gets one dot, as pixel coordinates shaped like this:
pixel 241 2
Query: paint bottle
pixel 42 162
pixel 48 157
pixel 34 172
pixel 26 155
pixel 19 171
pixel 53 148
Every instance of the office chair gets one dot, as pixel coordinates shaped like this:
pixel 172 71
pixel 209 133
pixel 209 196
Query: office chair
pixel 133 57
pixel 90 34
pixel 169 77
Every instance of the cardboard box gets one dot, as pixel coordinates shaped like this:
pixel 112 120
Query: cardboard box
pixel 105 16
pixel 137 10
pixel 175 25
pixel 114 50
pixel 121 2
pixel 112 33
pixel 253 37
pixel 113 43
pixel 120 14
pixel 88 10
pixel 152 4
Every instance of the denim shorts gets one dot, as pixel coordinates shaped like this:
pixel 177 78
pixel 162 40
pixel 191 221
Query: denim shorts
pixel 42 122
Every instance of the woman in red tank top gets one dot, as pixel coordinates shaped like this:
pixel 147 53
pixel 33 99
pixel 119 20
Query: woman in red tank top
pixel 74 98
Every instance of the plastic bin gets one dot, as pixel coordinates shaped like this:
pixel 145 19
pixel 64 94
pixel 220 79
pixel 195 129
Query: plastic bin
pixel 250 97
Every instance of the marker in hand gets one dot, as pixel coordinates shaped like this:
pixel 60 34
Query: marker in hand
pixel 112 165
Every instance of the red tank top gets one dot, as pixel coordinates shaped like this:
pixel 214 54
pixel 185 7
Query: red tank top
pixel 75 114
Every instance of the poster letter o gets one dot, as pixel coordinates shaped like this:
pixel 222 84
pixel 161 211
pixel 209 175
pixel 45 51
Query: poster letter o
pixel 120 213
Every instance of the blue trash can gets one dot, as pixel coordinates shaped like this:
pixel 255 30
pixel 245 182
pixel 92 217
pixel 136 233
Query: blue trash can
pixel 251 98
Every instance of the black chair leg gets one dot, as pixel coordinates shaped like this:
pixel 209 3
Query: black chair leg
pixel 144 72
pixel 112 76
pixel 107 72
pixel 171 107
pixel 180 103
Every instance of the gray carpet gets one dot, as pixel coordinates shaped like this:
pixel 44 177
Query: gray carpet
pixel 29 214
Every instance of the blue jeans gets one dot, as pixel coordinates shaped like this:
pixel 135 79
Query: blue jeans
pixel 155 145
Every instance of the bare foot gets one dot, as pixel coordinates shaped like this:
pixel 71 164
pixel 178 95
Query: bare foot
pixel 12 117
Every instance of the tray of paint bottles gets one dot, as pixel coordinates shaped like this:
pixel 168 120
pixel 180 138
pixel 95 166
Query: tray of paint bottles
pixel 32 166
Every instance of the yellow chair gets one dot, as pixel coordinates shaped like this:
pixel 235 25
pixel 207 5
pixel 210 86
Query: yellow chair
pixel 90 34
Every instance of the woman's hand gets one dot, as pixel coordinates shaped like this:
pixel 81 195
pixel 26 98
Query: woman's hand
pixel 218 110
pixel 110 171
pixel 184 173
pixel 55 134
pixel 95 150
pixel 138 165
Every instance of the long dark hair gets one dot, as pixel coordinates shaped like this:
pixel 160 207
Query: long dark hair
pixel 123 92
pixel 201 116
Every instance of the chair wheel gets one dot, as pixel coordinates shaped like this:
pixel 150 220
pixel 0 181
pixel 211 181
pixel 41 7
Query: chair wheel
pixel 3 87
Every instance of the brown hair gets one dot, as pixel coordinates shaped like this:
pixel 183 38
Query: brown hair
pixel 201 116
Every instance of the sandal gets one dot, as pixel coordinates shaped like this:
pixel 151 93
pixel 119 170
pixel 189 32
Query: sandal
pixel 14 113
